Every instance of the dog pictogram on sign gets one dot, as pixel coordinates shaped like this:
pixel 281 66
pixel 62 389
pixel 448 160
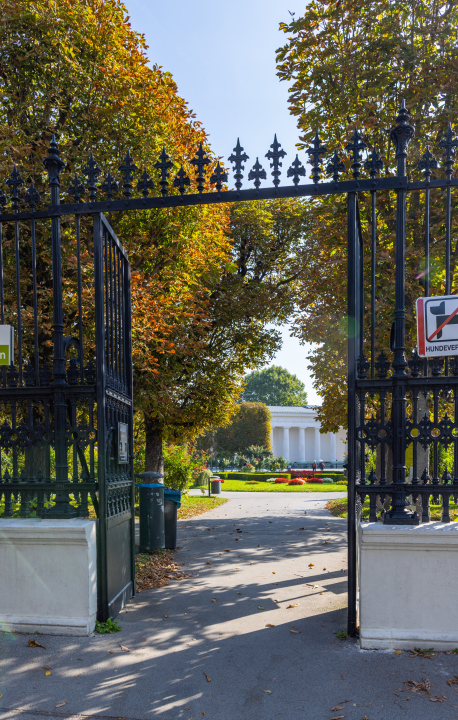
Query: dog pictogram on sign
pixel 437 325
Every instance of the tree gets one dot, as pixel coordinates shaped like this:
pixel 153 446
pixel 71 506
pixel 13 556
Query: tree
pixel 353 62
pixel 274 386
pixel 205 281
pixel 79 71
pixel 249 426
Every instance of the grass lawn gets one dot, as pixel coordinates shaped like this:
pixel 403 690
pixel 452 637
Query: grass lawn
pixel 339 508
pixel 250 486
pixel 195 505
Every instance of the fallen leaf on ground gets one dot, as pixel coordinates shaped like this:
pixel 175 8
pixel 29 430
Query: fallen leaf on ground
pixel 261 607
pixel 208 563
pixel 438 698
pixel 124 648
pixel 311 565
pixel 48 672
pixel 337 708
pixel 165 615
pixel 207 676
pixel 112 652
pixel 293 605
pixel 338 717
pixel 276 600
pixel 274 572
pixel 47 667
pixel 61 704
pixel 270 625
pixel 239 593
pixel 427 653
pixel 35 643
pixel 398 652
pixel 269 692
pixel 453 682
pixel 214 600
pixel 143 639
pixel 296 632
pixel 156 570
pixel 305 512
pixel 414 686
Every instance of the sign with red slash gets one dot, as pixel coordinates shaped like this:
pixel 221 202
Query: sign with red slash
pixel 437 325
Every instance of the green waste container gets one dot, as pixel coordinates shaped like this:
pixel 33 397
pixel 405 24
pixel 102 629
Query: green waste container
pixel 152 528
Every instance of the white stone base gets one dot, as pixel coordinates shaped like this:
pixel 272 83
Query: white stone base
pixel 408 584
pixel 48 576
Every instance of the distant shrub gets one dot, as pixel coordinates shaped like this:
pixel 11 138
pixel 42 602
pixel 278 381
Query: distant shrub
pixel 327 480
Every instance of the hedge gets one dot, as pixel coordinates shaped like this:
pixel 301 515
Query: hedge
pixel 252 476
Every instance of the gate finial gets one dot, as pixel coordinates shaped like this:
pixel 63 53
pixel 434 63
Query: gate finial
pixel 449 145
pixel 402 135
pixel 15 181
pixel 373 164
pixel 276 155
pixel 164 164
pixel 219 177
pixel 335 167
pixel 128 168
pixel 92 172
pixel 355 147
pixel 314 151
pixel 257 173
pixel 296 171
pixel 237 158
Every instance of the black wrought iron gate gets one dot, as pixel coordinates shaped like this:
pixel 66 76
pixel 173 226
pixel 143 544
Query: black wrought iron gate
pixel 64 416
pixel 114 420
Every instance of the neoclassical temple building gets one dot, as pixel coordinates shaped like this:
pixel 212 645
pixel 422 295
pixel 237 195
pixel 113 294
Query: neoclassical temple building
pixel 296 436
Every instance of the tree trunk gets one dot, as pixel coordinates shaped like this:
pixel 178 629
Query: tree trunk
pixel 154 461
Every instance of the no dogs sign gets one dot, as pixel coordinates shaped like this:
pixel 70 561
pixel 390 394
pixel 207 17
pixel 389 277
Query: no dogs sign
pixel 437 325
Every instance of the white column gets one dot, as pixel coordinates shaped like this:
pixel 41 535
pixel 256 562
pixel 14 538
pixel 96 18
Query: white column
pixel 333 452
pixel 317 445
pixel 286 443
pixel 301 444
pixel 272 439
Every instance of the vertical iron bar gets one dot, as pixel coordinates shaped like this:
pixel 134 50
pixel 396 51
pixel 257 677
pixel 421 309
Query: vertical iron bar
pixel 353 347
pixel 18 297
pixel 398 514
pixel 80 299
pixel 448 217
pixel 427 222
pixel 110 280
pixel 373 251
pixel 35 304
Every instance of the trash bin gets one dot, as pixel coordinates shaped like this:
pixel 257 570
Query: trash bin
pixel 215 485
pixel 151 490
pixel 172 501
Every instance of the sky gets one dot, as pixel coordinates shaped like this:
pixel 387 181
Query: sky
pixel 222 57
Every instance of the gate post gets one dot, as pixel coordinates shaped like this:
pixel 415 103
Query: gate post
pixel 353 349
pixel 398 514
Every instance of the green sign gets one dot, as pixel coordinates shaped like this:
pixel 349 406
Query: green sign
pixel 4 354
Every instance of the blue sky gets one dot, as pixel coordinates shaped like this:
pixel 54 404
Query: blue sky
pixel 222 56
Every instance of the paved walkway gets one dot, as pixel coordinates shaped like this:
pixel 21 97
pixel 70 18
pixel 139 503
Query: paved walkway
pixel 252 636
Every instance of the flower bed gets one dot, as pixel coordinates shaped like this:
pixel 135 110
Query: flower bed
pixel 296 481
pixel 281 480
pixel 314 480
